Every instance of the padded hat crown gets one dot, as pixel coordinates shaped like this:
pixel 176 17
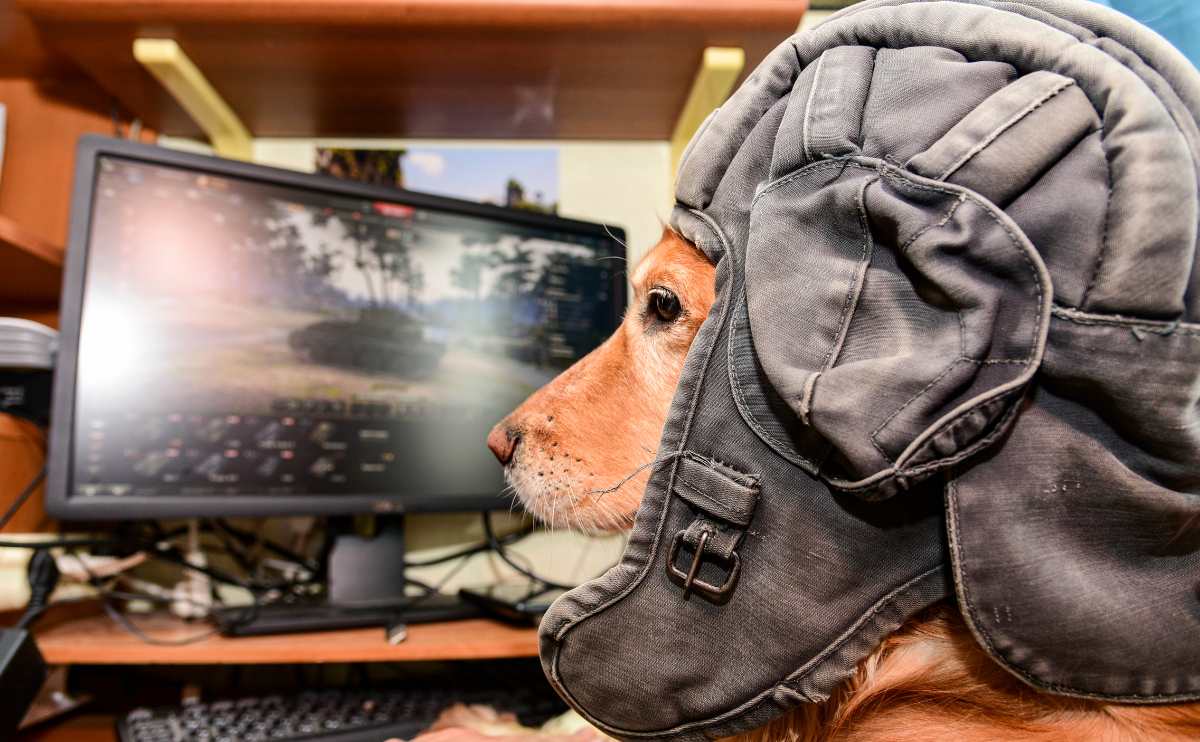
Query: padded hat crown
pixel 955 353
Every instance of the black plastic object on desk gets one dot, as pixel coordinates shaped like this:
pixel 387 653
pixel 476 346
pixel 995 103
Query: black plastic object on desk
pixel 297 617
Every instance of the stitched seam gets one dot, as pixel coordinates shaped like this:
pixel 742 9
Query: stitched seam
pixel 810 387
pixel 1005 126
pixel 962 335
pixel 862 117
pixel 854 291
pixel 885 602
pixel 1001 425
pixel 1153 327
pixel 711 462
pixel 1087 291
pixel 916 471
pixel 808 107
pixel 742 491
pixel 721 509
pixel 842 162
pixel 766 696
pixel 901 182
pixel 913 398
pixel 959 565
pixel 735 381
pixel 1011 237
pixel 934 225
pixel 950 212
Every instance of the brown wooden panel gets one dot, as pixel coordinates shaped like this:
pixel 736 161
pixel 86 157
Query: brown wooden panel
pixel 97 640
pixel 422 68
pixel 81 728
pixel 30 267
pixel 45 118
pixel 22 455
pixel 22 53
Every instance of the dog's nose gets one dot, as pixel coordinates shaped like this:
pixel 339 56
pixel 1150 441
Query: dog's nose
pixel 503 442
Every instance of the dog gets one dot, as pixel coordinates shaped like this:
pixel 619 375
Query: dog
pixel 577 455
pixel 576 452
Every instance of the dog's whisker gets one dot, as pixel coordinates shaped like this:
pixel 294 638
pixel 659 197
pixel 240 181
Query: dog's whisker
pixel 634 473
pixel 614 238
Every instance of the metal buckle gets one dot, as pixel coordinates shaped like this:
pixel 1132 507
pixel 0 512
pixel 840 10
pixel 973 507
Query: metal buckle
pixel 689 578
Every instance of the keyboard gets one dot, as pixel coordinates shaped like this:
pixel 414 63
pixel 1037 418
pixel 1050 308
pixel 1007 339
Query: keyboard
pixel 339 715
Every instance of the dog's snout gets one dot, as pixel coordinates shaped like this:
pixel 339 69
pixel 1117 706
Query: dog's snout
pixel 503 442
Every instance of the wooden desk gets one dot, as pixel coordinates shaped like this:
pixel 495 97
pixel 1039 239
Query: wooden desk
pixel 93 639
pixel 96 640
pixel 82 728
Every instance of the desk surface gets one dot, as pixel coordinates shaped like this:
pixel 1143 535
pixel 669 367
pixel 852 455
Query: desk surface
pixel 96 640
pixel 82 728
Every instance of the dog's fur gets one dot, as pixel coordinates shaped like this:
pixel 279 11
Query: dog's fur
pixel 569 453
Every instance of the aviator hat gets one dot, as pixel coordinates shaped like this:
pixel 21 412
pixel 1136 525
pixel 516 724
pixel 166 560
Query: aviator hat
pixel 955 352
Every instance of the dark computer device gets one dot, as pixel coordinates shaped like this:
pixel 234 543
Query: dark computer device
pixel 239 340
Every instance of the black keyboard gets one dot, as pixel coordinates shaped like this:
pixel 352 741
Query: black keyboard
pixel 330 715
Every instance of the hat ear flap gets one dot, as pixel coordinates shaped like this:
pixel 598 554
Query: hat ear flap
pixel 914 314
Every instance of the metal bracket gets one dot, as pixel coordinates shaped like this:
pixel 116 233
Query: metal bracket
pixel 187 84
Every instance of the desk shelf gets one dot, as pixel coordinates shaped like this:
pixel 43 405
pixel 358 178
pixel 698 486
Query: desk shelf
pixel 97 640
pixel 30 267
pixel 508 69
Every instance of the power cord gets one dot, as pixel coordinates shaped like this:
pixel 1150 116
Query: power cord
pixel 499 548
pixel 22 498
pixel 43 578
pixel 505 540
pixel 107 595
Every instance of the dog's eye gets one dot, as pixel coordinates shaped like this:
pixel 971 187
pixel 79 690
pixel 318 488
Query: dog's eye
pixel 664 304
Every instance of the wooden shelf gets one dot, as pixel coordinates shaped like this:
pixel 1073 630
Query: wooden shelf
pixel 30 267
pixel 97 640
pixel 574 69
pixel 76 728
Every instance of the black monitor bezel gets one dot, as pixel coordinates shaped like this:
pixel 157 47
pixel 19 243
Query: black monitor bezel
pixel 60 504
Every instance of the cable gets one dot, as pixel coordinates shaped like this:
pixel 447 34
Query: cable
pixel 287 554
pixel 467 551
pixel 124 622
pixel 500 551
pixel 171 554
pixel 43 578
pixel 435 589
pixel 106 597
pixel 22 498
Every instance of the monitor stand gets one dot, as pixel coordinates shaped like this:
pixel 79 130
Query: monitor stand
pixel 364 587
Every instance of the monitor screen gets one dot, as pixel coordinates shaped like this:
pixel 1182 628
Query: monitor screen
pixel 242 338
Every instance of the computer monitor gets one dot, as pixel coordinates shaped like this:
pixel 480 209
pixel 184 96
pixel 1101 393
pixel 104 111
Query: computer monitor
pixel 242 340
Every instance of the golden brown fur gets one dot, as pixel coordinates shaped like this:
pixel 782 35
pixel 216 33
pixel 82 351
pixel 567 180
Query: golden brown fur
pixel 600 420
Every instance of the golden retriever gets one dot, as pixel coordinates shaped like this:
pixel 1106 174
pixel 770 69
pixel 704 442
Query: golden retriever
pixel 569 452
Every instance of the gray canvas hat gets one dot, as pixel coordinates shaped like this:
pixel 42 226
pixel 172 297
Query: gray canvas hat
pixel 955 352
